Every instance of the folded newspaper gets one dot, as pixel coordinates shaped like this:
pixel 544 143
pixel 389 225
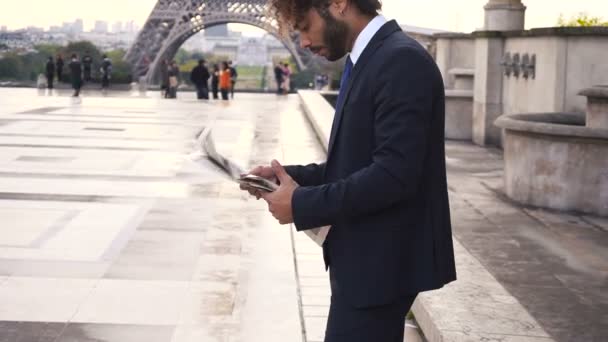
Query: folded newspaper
pixel 206 150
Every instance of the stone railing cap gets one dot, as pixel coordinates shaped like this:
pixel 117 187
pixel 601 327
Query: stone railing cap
pixel 462 71
pixel 459 93
pixel 601 31
pixel 549 124
pixel 595 91
pixel 453 35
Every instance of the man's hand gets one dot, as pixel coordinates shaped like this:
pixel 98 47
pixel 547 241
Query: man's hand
pixel 261 171
pixel 279 202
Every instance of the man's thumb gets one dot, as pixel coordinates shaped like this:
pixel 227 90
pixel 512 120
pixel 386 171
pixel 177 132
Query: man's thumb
pixel 279 171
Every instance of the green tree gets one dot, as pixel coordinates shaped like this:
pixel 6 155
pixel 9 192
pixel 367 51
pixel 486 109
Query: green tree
pixel 182 56
pixel 581 20
pixel 121 71
pixel 11 67
pixel 48 50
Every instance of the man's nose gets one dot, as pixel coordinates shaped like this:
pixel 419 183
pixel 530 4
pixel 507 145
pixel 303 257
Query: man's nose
pixel 305 42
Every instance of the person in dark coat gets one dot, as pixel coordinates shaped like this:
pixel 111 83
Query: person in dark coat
pixel 233 77
pixel 164 78
pixel 200 78
pixel 382 191
pixel 106 72
pixel 76 74
pixel 59 68
pixel 174 77
pixel 50 72
pixel 87 64
pixel 278 76
pixel 215 81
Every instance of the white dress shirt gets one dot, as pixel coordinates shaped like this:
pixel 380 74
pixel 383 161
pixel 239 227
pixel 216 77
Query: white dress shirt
pixel 365 37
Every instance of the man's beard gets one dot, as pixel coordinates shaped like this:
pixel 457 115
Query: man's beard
pixel 336 33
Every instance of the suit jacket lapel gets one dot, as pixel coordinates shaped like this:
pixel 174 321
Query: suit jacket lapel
pixel 368 52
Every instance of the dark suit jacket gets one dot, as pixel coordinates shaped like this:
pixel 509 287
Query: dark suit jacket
pixel 383 188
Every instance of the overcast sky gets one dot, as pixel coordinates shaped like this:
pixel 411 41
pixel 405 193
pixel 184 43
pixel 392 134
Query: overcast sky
pixel 454 15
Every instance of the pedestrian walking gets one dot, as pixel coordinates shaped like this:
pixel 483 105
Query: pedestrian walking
pixel 278 76
pixel 173 79
pixel 286 78
pixel 59 64
pixel 382 194
pixel 87 65
pixel 76 74
pixel 215 81
pixel 200 78
pixel 106 72
pixel 50 72
pixel 233 77
pixel 164 78
pixel 225 81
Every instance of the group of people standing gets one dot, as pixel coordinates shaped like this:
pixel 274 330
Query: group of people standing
pixel 282 74
pixel 80 71
pixel 223 79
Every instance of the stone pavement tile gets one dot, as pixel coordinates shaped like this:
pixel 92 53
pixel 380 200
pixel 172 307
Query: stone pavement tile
pixel 316 257
pixel 77 332
pixel 315 310
pixel 158 255
pixel 566 317
pixel 30 331
pixel 598 221
pixel 227 332
pixel 322 281
pixel 311 269
pixel 53 269
pixel 80 231
pixel 315 328
pixel 218 268
pixel 83 187
pixel 133 302
pixel 205 300
pixel 315 300
pixel 43 299
pixel 476 303
pixel 462 336
pixel 315 290
pixel 267 298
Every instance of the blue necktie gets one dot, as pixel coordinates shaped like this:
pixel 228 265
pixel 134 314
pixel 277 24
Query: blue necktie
pixel 348 67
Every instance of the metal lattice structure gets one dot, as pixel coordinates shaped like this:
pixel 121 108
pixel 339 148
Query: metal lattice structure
pixel 172 22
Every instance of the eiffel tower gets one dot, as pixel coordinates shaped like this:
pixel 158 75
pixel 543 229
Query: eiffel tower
pixel 172 22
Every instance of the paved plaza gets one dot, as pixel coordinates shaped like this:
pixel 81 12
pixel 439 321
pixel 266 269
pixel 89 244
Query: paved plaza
pixel 109 233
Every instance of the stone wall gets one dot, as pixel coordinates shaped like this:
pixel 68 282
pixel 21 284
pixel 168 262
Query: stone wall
pixel 565 64
pixel 454 51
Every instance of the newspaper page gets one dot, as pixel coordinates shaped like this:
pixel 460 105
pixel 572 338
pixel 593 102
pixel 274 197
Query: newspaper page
pixel 206 150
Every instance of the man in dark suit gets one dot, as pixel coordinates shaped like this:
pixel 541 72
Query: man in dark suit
pixel 383 189
pixel 200 78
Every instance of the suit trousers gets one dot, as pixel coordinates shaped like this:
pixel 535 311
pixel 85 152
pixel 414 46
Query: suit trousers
pixel 385 323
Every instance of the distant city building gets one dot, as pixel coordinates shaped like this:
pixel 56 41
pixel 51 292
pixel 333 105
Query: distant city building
pixel 100 26
pixel 131 27
pixel 117 27
pixel 3 28
pixel 252 51
pixel 34 29
pixel 217 31
pixel 78 26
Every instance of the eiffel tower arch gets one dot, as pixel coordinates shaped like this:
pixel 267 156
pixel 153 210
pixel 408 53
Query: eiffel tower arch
pixel 172 22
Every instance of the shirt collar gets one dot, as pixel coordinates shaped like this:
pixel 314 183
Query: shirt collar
pixel 366 36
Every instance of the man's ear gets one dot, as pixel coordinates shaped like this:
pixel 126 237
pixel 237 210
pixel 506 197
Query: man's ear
pixel 339 6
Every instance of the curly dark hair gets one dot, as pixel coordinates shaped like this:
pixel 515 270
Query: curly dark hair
pixel 289 12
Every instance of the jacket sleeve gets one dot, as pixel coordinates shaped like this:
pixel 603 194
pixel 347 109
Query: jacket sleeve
pixel 309 175
pixel 403 103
